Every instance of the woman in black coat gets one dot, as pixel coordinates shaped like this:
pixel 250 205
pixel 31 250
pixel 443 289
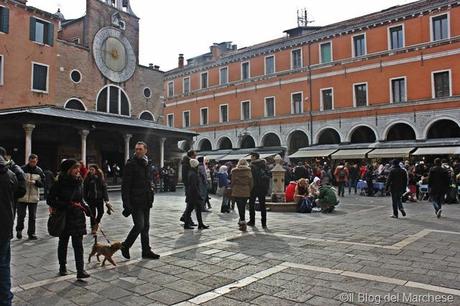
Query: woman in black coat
pixel 95 194
pixel 67 195
pixel 193 196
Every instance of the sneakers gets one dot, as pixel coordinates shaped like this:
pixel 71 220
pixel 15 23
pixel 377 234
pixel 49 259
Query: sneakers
pixel 19 235
pixel 438 213
pixel 125 252
pixel 82 274
pixel 150 255
pixel 242 226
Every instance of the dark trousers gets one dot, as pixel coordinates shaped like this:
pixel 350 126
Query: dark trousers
pixel 370 188
pixel 396 198
pixel 241 204
pixel 353 184
pixel 438 200
pixel 22 211
pixel 141 219
pixel 188 212
pixel 77 244
pixel 97 211
pixel 5 273
pixel 252 208
pixel 341 188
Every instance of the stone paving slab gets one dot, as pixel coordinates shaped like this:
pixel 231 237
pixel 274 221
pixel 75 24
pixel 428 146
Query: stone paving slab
pixel 355 251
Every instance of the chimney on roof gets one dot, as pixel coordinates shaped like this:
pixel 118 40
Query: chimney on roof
pixel 215 51
pixel 151 66
pixel 156 67
pixel 181 61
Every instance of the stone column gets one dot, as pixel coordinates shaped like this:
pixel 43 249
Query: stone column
pixel 127 140
pixel 84 136
pixel 162 152
pixel 28 128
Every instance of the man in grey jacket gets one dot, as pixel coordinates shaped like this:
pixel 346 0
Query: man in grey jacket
pixel 35 179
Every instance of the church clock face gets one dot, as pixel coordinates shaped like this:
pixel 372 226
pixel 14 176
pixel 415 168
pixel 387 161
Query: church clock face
pixel 114 55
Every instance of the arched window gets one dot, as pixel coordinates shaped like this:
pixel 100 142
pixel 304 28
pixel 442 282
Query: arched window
pixel 113 99
pixel 146 115
pixel 75 104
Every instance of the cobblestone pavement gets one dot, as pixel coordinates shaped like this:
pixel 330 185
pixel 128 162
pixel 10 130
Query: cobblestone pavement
pixel 357 255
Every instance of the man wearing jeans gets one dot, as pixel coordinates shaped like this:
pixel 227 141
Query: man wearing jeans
pixel 397 184
pixel 259 190
pixel 8 186
pixel 438 185
pixel 137 195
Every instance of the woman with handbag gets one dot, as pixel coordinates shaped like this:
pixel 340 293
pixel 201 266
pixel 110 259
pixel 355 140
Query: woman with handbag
pixel 242 184
pixel 95 194
pixel 66 198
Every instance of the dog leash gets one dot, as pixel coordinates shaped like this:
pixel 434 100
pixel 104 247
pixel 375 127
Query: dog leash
pixel 103 234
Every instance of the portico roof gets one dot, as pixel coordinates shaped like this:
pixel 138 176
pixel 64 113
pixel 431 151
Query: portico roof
pixel 93 117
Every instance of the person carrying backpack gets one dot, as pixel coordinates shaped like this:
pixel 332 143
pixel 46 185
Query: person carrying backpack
pixel 341 177
pixel 261 179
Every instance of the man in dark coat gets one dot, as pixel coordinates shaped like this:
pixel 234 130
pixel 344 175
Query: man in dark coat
pixel 8 186
pixel 21 189
pixel 261 183
pixel 191 154
pixel 193 196
pixel 137 193
pixel 438 185
pixel 397 184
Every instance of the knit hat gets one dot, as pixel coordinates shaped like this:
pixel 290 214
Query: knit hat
pixel 194 163
pixel 66 164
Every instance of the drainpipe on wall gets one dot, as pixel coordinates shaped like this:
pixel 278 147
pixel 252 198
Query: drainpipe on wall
pixel 310 94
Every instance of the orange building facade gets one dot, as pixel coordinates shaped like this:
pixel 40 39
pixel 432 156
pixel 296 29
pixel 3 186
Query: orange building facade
pixel 391 76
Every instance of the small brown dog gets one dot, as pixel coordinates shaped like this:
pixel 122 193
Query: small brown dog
pixel 106 250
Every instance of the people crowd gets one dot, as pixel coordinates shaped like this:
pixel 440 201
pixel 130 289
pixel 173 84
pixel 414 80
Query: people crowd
pixel 80 192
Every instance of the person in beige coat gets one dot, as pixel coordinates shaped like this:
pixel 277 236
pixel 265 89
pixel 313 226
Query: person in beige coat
pixel 242 184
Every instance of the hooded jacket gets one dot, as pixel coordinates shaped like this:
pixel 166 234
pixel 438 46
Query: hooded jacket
pixel 260 176
pixel 241 182
pixel 438 181
pixel 94 189
pixel 35 179
pixel 137 186
pixel 8 187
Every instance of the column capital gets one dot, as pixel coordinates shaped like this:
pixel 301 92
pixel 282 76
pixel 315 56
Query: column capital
pixel 28 127
pixel 128 136
pixel 163 139
pixel 84 133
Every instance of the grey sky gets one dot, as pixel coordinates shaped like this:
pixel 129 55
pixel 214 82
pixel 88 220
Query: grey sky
pixel 184 26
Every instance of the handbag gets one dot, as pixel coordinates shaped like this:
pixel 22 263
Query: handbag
pixel 56 223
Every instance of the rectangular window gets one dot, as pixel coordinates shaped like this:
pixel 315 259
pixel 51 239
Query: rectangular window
pixel 296 59
pixel 4 19
pixel 359 45
pixel 39 77
pixel 223 76
pixel 327 99
pixel 171 89
pixel 396 37
pixel 246 110
pixel 245 71
pixel 269 65
pixel 296 107
pixel 398 90
pixel 441 84
pixel 326 53
pixel 223 113
pixel 1 69
pixel 360 94
pixel 440 27
pixel 41 31
pixel 204 80
pixel 170 120
pixel 186 119
pixel 204 116
pixel 270 107
pixel 186 86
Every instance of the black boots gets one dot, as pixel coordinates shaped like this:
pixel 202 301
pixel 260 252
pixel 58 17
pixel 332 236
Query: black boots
pixel 62 270
pixel 82 274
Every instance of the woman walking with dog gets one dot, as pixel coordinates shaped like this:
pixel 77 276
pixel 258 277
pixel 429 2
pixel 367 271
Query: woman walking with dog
pixel 66 195
pixel 95 194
